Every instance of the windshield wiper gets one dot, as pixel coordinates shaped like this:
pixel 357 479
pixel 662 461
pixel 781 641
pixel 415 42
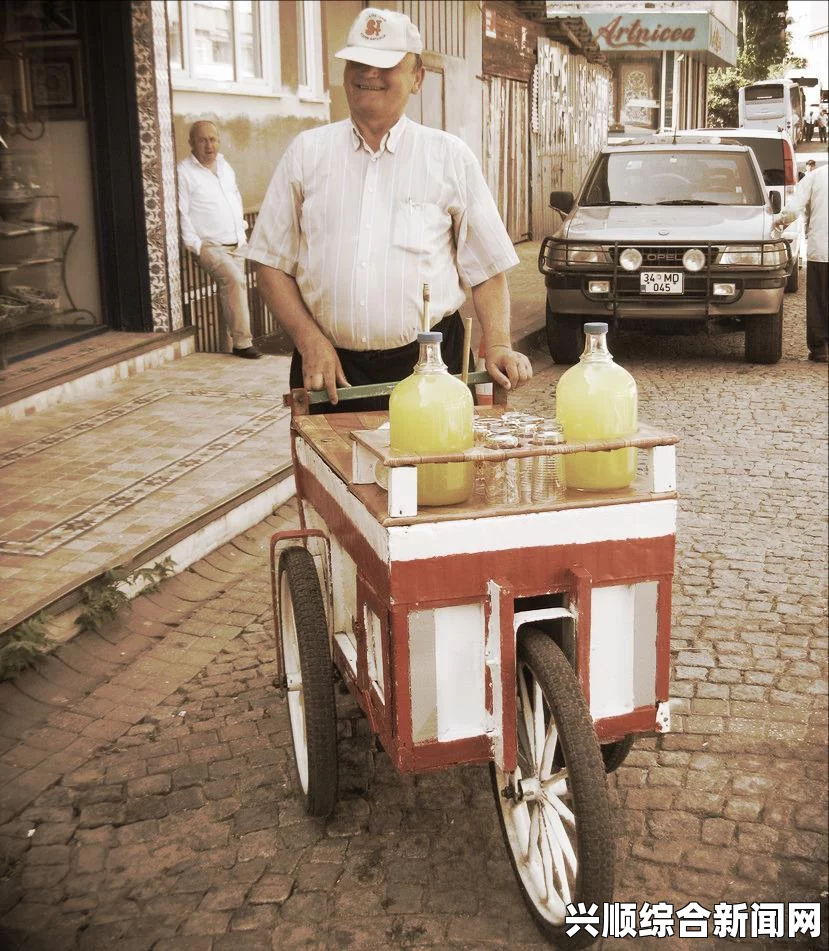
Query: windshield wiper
pixel 624 202
pixel 687 201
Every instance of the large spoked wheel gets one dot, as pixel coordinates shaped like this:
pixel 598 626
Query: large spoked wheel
pixel 555 817
pixel 309 675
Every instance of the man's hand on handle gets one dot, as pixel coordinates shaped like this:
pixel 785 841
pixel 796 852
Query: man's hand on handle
pixel 508 367
pixel 321 369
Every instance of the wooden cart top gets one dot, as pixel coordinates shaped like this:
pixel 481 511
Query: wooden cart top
pixel 331 437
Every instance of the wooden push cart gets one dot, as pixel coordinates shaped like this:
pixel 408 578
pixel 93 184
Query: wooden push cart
pixel 534 638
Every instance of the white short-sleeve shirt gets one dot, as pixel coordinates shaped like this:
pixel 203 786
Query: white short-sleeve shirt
pixel 362 232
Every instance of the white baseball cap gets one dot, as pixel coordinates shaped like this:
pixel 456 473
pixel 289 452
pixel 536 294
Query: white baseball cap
pixel 381 38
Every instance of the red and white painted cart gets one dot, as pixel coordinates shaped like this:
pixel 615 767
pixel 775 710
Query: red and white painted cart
pixel 533 638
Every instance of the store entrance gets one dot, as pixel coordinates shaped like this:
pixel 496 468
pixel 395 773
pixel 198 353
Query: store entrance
pixel 73 244
pixel 49 279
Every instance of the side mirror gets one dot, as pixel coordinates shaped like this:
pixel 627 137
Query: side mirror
pixel 562 201
pixel 776 202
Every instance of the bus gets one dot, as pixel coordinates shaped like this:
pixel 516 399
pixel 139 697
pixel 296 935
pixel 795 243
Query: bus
pixel 773 104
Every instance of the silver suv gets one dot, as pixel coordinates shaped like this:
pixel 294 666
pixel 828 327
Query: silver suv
pixel 674 233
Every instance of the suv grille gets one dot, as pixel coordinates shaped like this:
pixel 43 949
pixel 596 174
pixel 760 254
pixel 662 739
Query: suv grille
pixel 671 256
pixel 655 257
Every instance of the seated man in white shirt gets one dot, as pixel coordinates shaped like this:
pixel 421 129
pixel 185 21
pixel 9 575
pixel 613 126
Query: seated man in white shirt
pixel 361 213
pixel 213 226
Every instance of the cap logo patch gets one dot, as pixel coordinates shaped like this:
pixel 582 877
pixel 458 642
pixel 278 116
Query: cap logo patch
pixel 373 29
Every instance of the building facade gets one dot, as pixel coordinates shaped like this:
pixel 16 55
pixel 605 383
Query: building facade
pixel 659 54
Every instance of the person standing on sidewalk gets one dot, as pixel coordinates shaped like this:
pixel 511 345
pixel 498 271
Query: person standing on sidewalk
pixel 810 200
pixel 821 124
pixel 361 213
pixel 213 227
pixel 809 123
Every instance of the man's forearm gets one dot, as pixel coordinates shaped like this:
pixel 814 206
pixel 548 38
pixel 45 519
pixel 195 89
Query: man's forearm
pixel 188 234
pixel 281 293
pixel 492 305
pixel 321 368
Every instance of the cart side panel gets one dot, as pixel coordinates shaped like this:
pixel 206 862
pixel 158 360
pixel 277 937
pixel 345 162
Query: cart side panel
pixel 442 707
pixel 346 519
pixel 622 647
pixel 343 578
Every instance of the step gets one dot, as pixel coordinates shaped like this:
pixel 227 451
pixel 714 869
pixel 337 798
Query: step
pixel 79 369
pixel 184 547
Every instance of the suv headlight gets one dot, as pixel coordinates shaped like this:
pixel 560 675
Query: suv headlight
pixel 587 254
pixel 754 255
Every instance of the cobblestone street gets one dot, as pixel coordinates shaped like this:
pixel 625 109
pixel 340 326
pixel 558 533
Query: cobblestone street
pixel 148 798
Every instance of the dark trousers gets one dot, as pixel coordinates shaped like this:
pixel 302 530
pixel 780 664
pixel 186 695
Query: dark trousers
pixel 817 305
pixel 362 367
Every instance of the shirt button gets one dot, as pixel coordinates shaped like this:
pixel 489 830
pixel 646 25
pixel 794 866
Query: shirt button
pixel 362 303
pixel 363 263
pixel 363 339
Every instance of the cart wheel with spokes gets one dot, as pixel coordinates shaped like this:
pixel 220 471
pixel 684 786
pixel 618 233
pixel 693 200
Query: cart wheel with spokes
pixel 309 675
pixel 556 817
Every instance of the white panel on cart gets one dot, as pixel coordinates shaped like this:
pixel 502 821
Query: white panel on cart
pixel 611 650
pixel 374 650
pixel 343 579
pixel 564 527
pixel 446 654
pixel 623 626
pixel 644 649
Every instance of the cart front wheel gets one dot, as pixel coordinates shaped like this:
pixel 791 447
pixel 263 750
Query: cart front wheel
pixel 309 675
pixel 555 817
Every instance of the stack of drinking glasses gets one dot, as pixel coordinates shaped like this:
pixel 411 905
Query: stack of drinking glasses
pixel 518 480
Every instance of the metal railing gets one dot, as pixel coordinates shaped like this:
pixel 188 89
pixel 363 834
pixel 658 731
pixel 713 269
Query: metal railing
pixel 200 303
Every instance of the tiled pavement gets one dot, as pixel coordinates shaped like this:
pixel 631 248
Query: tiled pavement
pixel 153 804
pixel 87 485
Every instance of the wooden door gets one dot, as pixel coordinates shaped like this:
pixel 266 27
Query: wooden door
pixel 506 151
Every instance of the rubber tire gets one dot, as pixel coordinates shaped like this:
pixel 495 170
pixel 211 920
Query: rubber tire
pixel 565 337
pixel 298 580
pixel 793 282
pixel 764 338
pixel 614 754
pixel 594 841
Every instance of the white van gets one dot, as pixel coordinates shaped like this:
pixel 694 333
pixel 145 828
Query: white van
pixel 776 157
pixel 773 104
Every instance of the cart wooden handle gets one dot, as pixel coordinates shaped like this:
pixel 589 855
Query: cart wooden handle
pixel 301 400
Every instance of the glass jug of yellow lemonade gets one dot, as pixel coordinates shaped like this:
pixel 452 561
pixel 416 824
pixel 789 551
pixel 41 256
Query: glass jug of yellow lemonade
pixel 431 412
pixel 597 399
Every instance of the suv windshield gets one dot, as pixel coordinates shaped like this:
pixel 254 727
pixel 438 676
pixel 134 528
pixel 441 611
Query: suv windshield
pixel 673 178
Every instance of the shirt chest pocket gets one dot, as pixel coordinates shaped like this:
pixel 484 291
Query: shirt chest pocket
pixel 419 226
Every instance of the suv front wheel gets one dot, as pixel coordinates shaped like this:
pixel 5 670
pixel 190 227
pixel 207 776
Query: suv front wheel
pixel 764 337
pixel 565 337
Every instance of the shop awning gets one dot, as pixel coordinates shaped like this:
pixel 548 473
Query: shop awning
pixel 630 31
